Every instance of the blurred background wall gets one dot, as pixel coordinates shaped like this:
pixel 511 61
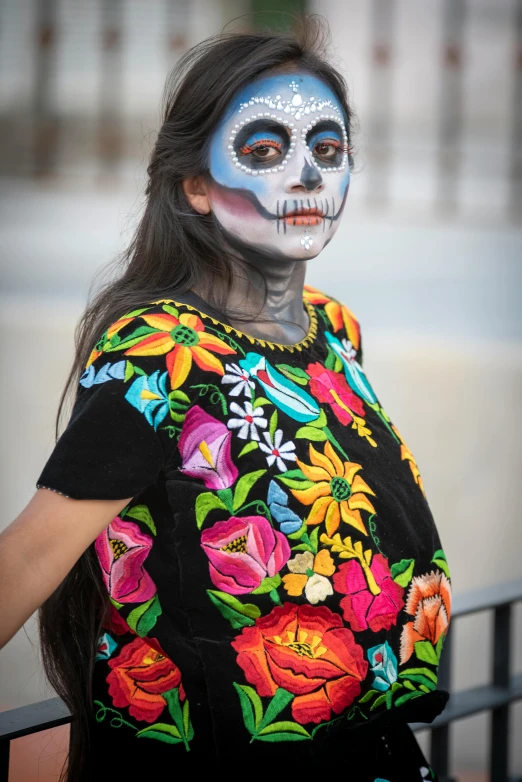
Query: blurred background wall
pixel 429 255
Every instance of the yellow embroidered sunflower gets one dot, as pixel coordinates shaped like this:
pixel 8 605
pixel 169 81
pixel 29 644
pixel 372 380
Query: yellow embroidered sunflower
pixel 337 492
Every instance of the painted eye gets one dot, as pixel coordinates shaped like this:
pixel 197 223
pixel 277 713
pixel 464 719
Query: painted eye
pixel 263 150
pixel 327 149
pixel 261 144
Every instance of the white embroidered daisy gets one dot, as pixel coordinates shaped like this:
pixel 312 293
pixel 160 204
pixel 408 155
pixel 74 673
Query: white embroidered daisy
pixel 248 421
pixel 239 378
pixel 349 349
pixel 277 451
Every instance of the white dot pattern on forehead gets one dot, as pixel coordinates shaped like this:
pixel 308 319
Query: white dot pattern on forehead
pixel 296 109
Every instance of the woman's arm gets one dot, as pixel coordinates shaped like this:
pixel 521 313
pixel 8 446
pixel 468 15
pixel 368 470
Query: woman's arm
pixel 40 547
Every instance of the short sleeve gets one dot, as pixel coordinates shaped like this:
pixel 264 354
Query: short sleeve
pixel 122 429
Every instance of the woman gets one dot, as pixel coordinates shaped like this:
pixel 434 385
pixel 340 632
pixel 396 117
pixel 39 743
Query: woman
pixel 230 542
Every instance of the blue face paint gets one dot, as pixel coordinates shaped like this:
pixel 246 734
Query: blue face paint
pixel 279 166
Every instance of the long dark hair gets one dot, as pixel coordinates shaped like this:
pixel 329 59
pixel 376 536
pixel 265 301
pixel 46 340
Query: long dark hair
pixel 173 250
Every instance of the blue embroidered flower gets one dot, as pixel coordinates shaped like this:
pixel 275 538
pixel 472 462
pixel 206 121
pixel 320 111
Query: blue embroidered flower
pixel 107 372
pixel 149 396
pixel 384 665
pixel 106 646
pixel 285 516
pixel 352 369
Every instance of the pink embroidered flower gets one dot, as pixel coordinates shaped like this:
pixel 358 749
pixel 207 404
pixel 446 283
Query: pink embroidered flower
pixel 373 602
pixel 122 549
pixel 204 445
pixel 242 552
pixel 331 387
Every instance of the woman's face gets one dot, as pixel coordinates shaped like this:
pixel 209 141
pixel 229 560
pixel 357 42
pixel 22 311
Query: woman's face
pixel 279 173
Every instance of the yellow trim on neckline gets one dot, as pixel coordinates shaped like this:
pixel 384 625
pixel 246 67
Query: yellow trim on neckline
pixel 305 342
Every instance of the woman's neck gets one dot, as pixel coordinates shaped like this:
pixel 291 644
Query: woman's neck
pixel 283 318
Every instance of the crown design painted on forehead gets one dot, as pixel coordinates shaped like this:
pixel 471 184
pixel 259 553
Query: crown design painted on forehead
pixel 296 107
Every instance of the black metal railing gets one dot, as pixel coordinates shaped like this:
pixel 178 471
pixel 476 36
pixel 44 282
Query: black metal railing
pixel 496 697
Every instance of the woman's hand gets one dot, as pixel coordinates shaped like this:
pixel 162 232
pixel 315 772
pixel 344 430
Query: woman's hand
pixel 39 548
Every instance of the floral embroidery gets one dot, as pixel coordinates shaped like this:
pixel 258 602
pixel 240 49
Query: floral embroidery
pixel 149 396
pixel 249 420
pixel 332 388
pixel 338 314
pixel 107 372
pixel 335 491
pixel 384 666
pixel 106 646
pixel 239 379
pixel 353 370
pixel 285 516
pixel 139 675
pixel 373 599
pixel 310 573
pixel 204 445
pixel 122 549
pixel 242 552
pixel 429 601
pixel 306 651
pixel 276 450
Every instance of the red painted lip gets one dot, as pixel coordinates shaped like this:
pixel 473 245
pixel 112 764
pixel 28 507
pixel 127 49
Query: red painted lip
pixel 311 215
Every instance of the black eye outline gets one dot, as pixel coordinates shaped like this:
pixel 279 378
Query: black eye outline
pixel 261 125
pixel 325 126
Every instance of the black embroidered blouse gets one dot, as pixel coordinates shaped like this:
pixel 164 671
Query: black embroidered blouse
pixel 277 583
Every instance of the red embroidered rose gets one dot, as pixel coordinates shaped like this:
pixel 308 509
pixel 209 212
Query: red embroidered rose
pixel 373 599
pixel 140 674
pixel 307 651
pixel 331 387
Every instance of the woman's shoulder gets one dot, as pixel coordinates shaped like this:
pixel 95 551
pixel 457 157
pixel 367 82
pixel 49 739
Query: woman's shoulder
pixel 336 314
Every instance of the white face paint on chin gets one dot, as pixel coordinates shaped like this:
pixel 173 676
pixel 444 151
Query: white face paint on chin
pixel 279 172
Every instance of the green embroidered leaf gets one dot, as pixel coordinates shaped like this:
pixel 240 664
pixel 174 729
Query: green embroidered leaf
pixel 320 421
pixel 409 685
pixel 162 731
pixel 389 699
pixel 378 701
pixel 206 502
pixel 402 571
pixel 225 495
pixel 260 400
pixel 338 364
pixel 439 554
pixel 368 696
pixel 424 688
pixel 171 310
pixel 303 547
pixel 313 539
pixel 115 603
pixel 251 446
pixel 425 652
pixel 129 371
pixel 298 534
pixel 310 433
pixel 297 473
pixel 407 697
pixel 296 374
pixel 179 396
pixel 396 686
pixel 330 359
pixel 274 597
pixel 143 618
pixel 132 339
pixel 273 424
pixel 142 513
pixel 443 566
pixel 244 485
pixel 140 371
pixel 238 614
pixel 179 417
pixel 284 727
pixel 174 707
pixel 419 679
pixel 267 584
pixel 135 313
pixel 422 671
pixel 187 724
pixel 251 706
pixel 283 737
pixel 440 644
pixel 280 700
pixel 294 484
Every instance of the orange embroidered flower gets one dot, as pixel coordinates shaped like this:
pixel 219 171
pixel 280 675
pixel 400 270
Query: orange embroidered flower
pixel 183 339
pixel 338 314
pixel 337 491
pixel 140 674
pixel 407 455
pixel 429 601
pixel 309 574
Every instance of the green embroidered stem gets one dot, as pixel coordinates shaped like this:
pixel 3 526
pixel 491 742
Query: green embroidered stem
pixel 116 722
pixel 261 509
pixel 373 528
pixel 216 396
pixel 380 412
pixel 335 442
pixel 223 335
pixel 172 430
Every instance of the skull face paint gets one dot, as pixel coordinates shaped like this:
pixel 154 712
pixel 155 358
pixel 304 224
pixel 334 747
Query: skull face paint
pixel 279 172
